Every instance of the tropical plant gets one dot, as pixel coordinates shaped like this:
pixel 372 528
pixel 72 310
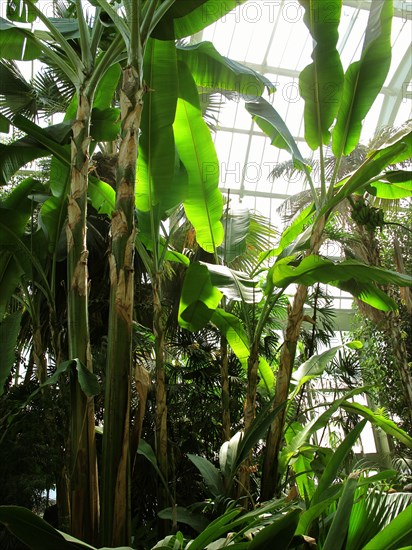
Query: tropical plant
pixel 174 163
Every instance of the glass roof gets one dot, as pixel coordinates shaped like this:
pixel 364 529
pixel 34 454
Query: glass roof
pixel 271 37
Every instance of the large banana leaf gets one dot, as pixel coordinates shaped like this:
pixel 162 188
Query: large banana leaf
pixel 321 82
pixel 350 275
pixel 212 71
pixel 364 78
pixel 271 123
pixel 235 285
pixel 199 298
pixel 9 331
pixel 19 153
pixel 191 16
pixel 20 198
pixel 155 183
pixel 395 151
pixel 204 202
pixel 34 531
pixel 37 534
pixel 17 43
pixel 393 185
pixel 20 11
pixel 232 327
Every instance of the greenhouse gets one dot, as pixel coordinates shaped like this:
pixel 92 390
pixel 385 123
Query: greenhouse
pixel 206 274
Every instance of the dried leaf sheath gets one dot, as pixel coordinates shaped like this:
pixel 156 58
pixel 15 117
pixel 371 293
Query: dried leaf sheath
pixel 84 484
pixel 115 519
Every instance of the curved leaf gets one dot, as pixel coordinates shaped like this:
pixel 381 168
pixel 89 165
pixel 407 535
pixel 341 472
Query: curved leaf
pixel 17 43
pixel 386 424
pixel 321 82
pixel 313 367
pixel 20 198
pixel 204 202
pixel 339 528
pixel 278 534
pixel 155 183
pixel 395 535
pixel 213 71
pixel 350 275
pixel 235 285
pixel 191 16
pixel 198 522
pixel 199 298
pixel 396 184
pixel 364 78
pixel 9 331
pixel 377 162
pixel 316 424
pixel 34 531
pixel 21 11
pixel 210 474
pixel 270 122
pixel 231 326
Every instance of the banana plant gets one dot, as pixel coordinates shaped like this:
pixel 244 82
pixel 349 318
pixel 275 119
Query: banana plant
pixel 202 202
pixel 177 164
pixel 84 69
pixel 331 97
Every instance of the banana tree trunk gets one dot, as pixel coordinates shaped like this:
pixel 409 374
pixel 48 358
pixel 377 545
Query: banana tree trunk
pixel 116 513
pixel 83 479
pixel 161 391
pixel 63 499
pixel 274 438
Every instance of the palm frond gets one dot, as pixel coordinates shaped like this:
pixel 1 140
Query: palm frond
pixel 17 96
pixel 211 104
pixel 54 91
pixel 287 169
pixel 294 204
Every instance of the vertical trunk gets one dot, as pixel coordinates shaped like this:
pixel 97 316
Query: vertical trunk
pixel 252 379
pixel 143 383
pixel 275 435
pixel 39 356
pixel 116 514
pixel 63 499
pixel 249 416
pixel 83 482
pixel 161 392
pixel 224 373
